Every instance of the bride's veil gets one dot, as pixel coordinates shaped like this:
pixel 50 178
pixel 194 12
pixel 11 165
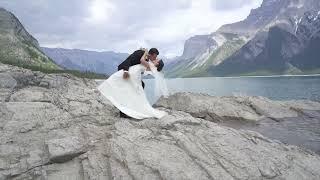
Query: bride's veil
pixel 160 88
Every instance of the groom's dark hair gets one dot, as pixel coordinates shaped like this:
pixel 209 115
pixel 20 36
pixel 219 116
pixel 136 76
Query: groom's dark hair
pixel 154 51
pixel 160 66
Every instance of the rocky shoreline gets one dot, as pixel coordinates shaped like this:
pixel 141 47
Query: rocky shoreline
pixel 248 108
pixel 294 122
pixel 56 127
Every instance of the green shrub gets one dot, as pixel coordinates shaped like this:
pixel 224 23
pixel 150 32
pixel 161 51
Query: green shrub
pixel 33 54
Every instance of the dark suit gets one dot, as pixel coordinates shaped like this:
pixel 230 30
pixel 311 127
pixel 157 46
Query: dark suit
pixel 133 59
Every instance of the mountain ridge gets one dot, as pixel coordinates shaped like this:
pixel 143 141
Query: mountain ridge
pixel 254 30
pixel 105 62
pixel 18 46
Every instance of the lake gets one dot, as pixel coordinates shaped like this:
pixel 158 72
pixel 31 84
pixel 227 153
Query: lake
pixel 273 87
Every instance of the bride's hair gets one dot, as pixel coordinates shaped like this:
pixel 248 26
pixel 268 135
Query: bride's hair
pixel 160 65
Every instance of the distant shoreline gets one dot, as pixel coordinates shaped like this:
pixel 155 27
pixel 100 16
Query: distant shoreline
pixel 233 77
pixel 306 75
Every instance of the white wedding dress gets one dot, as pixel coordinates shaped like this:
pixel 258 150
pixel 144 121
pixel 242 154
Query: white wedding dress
pixel 128 94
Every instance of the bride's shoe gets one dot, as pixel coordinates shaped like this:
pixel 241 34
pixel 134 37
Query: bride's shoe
pixel 123 115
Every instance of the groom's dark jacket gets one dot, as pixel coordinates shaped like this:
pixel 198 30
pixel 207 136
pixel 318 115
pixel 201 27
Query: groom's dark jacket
pixel 132 60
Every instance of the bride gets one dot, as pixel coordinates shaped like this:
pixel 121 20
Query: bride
pixel 128 94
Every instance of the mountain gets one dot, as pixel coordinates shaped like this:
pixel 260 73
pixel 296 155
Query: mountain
pixel 279 37
pixel 18 47
pixel 288 46
pixel 99 62
pixel 206 51
pixel 257 19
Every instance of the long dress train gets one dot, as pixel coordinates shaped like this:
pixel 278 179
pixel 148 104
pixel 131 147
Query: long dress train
pixel 128 94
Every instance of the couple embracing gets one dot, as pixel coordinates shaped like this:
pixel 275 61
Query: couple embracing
pixel 125 88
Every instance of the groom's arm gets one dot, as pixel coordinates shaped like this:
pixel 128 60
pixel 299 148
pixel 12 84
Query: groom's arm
pixel 126 64
pixel 133 59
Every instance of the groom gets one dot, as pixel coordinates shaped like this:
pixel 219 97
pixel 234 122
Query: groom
pixel 141 56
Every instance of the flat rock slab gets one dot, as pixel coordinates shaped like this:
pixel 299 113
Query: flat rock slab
pixel 63 150
pixel 199 149
pixel 235 107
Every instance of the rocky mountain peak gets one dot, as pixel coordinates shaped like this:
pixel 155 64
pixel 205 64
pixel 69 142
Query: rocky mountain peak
pixel 9 23
pixel 18 47
pixel 270 2
pixel 257 19
pixel 197 45
pixel 299 23
pixel 308 25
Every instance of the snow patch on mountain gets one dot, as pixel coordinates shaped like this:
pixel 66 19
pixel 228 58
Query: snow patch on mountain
pixel 297 22
pixel 219 38
pixel 201 59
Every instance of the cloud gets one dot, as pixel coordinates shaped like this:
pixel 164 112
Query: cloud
pixel 233 4
pixel 100 11
pixel 122 25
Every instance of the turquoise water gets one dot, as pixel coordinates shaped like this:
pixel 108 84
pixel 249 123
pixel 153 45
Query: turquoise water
pixel 276 88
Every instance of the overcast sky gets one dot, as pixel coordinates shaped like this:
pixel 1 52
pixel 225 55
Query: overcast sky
pixel 124 25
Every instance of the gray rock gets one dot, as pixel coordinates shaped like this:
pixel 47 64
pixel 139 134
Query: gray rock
pixel 65 149
pixel 202 150
pixel 235 107
pixel 32 94
pixel 7 81
pixel 67 131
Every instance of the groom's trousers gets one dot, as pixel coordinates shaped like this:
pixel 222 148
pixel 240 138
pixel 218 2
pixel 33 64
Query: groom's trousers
pixel 123 114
